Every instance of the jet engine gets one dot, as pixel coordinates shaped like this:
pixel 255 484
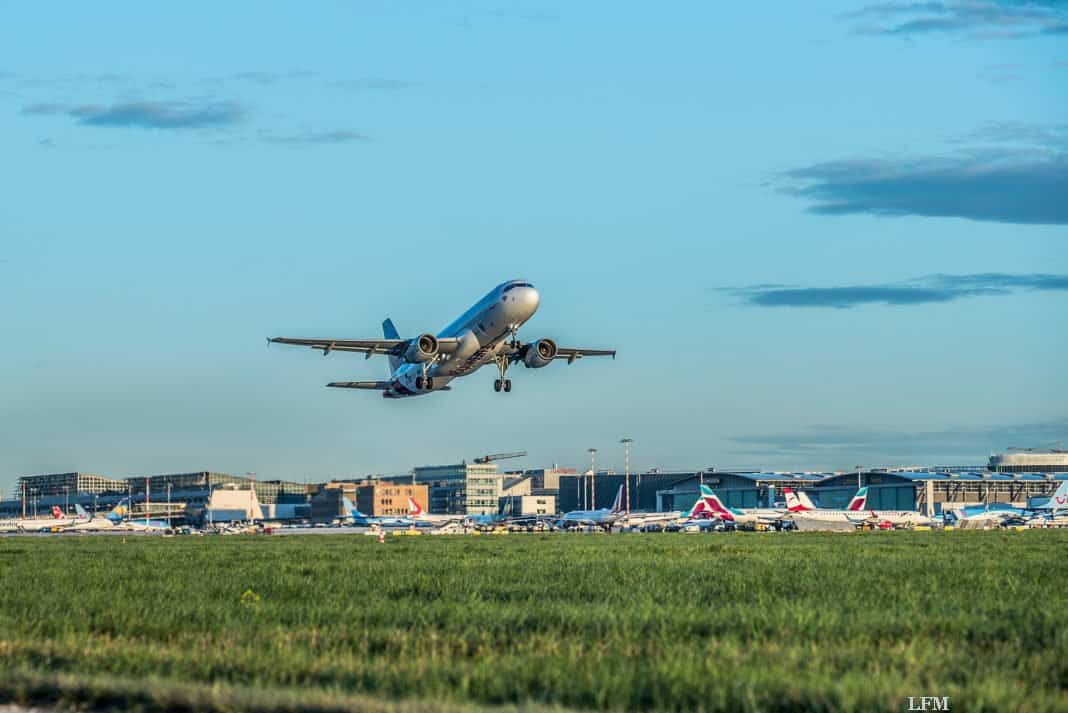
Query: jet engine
pixel 421 349
pixel 539 353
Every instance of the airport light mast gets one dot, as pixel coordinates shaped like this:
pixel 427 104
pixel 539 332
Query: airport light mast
pixel 593 478
pixel 626 473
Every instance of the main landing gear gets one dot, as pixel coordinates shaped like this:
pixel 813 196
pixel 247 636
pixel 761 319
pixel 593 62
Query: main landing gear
pixel 424 380
pixel 502 383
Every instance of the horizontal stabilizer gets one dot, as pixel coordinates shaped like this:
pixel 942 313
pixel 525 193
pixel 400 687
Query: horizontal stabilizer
pixel 373 385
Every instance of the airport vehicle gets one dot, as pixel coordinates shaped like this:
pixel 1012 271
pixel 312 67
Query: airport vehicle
pixel 37 524
pixel 602 517
pixel 487 333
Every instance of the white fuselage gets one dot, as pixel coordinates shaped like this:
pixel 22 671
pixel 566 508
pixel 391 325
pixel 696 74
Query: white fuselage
pixel 482 332
pixel 34 524
pixel 598 518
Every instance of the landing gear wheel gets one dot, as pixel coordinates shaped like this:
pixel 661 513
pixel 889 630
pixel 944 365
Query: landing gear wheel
pixel 419 382
pixel 430 382
pixel 497 385
pixel 507 385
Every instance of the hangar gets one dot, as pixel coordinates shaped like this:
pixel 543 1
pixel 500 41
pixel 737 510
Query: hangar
pixel 930 491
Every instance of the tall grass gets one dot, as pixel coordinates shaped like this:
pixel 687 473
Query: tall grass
pixel 741 622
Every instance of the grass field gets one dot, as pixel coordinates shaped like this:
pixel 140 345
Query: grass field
pixel 739 622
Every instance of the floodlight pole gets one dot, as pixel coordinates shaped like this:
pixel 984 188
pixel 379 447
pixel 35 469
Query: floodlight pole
pixel 626 473
pixel 169 506
pixel 593 478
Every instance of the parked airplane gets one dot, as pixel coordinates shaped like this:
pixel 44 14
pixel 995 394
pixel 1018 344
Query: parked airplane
pixel 420 516
pixel 37 524
pixel 699 511
pixel 996 514
pixel 120 516
pixel 484 334
pixel 357 518
pixel 602 517
pixel 85 521
pixel 1057 501
pixel 800 502
pixel 856 512
pixel 738 516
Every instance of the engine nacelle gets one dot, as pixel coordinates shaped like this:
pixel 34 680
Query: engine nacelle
pixel 539 353
pixel 422 349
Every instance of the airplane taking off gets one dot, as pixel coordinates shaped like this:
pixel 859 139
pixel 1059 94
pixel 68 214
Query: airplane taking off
pixel 484 334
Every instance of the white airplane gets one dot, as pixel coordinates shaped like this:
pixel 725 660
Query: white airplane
pixel 85 521
pixel 751 516
pixel 699 511
pixel 37 524
pixel 602 517
pixel 997 514
pixel 420 516
pixel 856 512
pixel 484 334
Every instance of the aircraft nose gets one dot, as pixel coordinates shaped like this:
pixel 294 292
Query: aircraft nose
pixel 530 299
pixel 521 303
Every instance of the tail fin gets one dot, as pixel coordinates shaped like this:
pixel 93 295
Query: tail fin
pixel 57 513
pixel 82 514
pixel 617 504
pixel 859 501
pixel 795 503
pixel 414 509
pixel 390 332
pixel 1059 501
pixel 350 508
pixel 700 509
pixel 715 505
pixel 120 511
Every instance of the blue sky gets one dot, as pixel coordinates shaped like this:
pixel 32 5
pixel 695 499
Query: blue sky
pixel 818 235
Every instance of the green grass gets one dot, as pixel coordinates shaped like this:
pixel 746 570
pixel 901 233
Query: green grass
pixel 743 622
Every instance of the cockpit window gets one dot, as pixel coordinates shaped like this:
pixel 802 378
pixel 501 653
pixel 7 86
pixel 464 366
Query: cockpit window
pixel 517 284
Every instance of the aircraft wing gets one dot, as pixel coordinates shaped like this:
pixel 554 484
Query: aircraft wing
pixel 393 347
pixel 371 385
pixel 572 353
pixel 375 385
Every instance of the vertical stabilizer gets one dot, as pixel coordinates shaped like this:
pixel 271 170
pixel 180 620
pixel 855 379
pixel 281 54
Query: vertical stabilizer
pixel 617 504
pixel 414 509
pixel 715 505
pixel 390 332
pixel 1059 501
pixel 859 501
pixel 794 503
